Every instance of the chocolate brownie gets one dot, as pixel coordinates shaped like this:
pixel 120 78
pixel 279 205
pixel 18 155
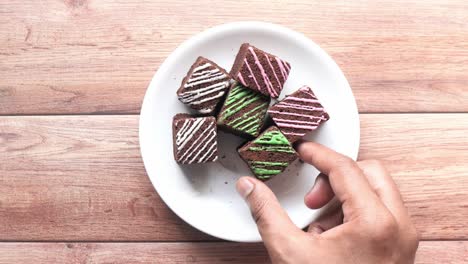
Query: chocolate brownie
pixel 260 71
pixel 269 154
pixel 243 112
pixel 204 86
pixel 194 139
pixel 298 114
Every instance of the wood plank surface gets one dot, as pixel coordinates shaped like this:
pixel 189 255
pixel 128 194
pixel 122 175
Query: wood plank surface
pixel 82 56
pixel 81 178
pixel 430 252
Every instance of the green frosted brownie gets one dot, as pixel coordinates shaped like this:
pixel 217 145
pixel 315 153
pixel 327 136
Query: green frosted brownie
pixel 269 154
pixel 243 112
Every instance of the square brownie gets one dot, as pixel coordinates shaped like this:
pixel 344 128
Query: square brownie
pixel 298 113
pixel 269 154
pixel 195 139
pixel 204 86
pixel 260 71
pixel 243 112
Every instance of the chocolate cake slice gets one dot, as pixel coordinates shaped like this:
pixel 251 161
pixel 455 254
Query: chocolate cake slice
pixel 243 112
pixel 298 113
pixel 204 86
pixel 269 154
pixel 260 71
pixel 194 139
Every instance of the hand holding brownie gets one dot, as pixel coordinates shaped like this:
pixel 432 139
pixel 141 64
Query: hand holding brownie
pixel 372 227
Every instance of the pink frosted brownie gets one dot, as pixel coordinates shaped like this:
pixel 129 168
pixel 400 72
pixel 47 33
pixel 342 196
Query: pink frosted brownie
pixel 260 71
pixel 298 114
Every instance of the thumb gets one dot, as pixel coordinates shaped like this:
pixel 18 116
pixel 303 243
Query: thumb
pixel 272 221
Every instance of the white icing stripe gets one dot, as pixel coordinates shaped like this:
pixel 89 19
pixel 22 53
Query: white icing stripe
pixel 192 98
pixel 198 74
pixel 188 124
pixel 188 97
pixel 220 77
pixel 193 147
pixel 210 151
pixel 210 157
pixel 188 93
pixel 204 76
pixel 202 67
pixel 204 110
pixel 182 134
pixel 212 136
pixel 184 126
pixel 197 91
pixel 205 72
pixel 184 138
pixel 209 98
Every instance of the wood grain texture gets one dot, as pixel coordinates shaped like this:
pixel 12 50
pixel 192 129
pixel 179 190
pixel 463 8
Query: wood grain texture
pixel 430 252
pixel 80 178
pixel 82 56
pixel 427 156
pixel 450 252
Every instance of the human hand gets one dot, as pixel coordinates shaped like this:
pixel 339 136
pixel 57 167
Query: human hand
pixel 372 227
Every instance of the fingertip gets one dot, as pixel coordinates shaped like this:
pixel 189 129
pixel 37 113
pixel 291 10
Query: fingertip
pixel 307 150
pixel 266 210
pixel 244 186
pixel 320 194
pixel 300 144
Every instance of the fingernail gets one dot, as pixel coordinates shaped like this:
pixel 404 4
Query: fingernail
pixel 316 183
pixel 244 187
pixel 316 229
pixel 298 143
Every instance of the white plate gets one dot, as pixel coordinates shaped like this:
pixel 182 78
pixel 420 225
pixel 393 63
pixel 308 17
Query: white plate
pixel 204 195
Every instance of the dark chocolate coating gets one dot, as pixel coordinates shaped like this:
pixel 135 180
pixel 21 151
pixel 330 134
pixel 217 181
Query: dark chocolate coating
pixel 194 139
pixel 204 87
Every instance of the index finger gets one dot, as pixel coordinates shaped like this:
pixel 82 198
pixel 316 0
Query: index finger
pixel 346 178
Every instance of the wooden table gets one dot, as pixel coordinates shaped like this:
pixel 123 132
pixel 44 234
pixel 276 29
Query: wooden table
pixel 73 74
